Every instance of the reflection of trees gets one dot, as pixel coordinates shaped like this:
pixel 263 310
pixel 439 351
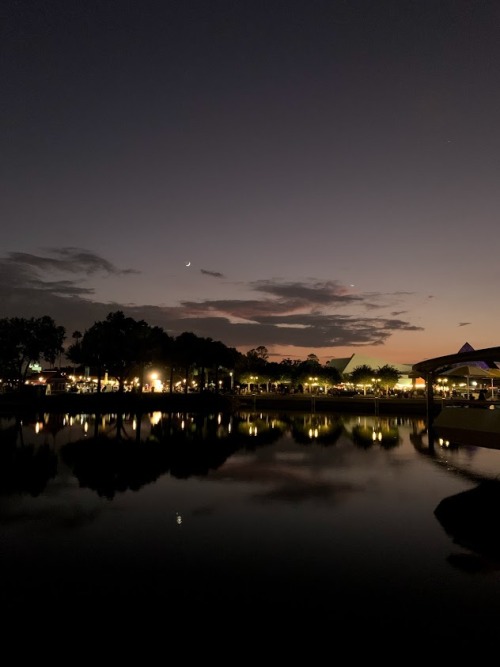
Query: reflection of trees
pixel 388 437
pixel 258 430
pixel 198 454
pixel 25 469
pixel 184 446
pixel 320 429
pixel 121 458
pixel 383 432
pixel 109 465
pixel 118 426
pixel 118 460
pixel 362 436
pixel 54 423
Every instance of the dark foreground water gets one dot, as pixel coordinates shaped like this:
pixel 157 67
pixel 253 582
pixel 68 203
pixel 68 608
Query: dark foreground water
pixel 251 519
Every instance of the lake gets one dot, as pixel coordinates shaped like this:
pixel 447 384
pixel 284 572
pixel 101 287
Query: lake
pixel 249 516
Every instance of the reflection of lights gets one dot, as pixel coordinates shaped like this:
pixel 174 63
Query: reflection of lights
pixel 219 418
pixel 252 430
pixel 183 424
pixel 155 418
pixel 313 433
pixel 85 427
pixel 178 518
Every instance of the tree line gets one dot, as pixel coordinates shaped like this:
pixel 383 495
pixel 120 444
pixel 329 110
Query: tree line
pixel 124 348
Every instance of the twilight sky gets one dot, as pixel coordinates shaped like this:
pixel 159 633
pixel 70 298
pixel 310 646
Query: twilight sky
pixel 315 176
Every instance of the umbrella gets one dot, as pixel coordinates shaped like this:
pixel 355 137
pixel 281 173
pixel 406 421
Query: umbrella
pixel 470 371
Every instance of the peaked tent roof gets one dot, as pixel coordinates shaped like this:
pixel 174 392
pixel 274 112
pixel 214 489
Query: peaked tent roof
pixel 348 364
pixel 466 347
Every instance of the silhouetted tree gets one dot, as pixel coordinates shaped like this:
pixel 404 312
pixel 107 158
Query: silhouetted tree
pixel 187 350
pixel 27 341
pixel 362 375
pixel 388 376
pixel 152 345
pixel 118 345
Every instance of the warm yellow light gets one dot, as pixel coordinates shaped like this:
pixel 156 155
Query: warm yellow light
pixel 155 418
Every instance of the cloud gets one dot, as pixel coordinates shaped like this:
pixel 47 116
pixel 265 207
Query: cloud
pixel 463 324
pixel 214 274
pixel 320 293
pixel 66 260
pixel 297 314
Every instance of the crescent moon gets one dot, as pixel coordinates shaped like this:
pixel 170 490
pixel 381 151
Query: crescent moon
pixel 188 264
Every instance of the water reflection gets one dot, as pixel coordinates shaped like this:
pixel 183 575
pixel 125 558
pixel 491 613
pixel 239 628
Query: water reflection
pixel 56 429
pixel 383 431
pixel 112 453
pixel 471 519
pixel 117 452
pixel 307 512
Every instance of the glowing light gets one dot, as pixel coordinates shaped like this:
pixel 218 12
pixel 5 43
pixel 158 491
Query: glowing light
pixel 155 418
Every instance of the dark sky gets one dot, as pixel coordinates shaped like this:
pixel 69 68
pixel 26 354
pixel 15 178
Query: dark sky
pixel 328 170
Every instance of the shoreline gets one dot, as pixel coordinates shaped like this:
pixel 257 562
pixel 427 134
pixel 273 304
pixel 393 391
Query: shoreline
pixel 166 402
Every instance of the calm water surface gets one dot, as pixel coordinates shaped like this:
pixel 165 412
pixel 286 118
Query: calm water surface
pixel 247 516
